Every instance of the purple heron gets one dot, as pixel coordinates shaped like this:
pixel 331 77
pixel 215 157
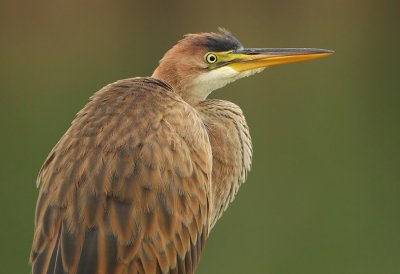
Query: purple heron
pixel 150 164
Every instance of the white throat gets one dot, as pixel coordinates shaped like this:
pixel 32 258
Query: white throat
pixel 204 84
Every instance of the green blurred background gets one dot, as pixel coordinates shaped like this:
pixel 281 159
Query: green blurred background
pixel 324 192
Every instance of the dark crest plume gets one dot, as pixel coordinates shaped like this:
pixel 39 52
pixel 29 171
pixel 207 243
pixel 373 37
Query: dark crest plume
pixel 219 41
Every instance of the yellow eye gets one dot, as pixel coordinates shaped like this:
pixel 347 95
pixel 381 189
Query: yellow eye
pixel 210 58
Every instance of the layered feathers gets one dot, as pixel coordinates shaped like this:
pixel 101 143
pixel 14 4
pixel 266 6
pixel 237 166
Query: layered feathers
pixel 137 182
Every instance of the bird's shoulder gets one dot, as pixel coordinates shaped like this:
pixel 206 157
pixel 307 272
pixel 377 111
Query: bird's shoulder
pixel 132 97
pixel 127 115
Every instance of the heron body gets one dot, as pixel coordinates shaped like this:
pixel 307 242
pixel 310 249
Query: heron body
pixel 149 165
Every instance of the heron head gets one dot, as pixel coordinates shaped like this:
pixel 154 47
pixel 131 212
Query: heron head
pixel 201 63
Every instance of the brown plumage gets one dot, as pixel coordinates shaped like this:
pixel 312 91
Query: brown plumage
pixel 146 168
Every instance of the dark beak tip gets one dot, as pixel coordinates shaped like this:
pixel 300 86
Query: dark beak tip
pixel 312 51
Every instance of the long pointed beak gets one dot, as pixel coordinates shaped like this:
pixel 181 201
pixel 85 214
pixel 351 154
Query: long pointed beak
pixel 253 58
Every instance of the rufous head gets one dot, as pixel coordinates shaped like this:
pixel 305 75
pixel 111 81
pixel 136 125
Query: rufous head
pixel 201 63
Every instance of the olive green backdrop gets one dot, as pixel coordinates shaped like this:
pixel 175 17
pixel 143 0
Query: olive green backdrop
pixel 323 196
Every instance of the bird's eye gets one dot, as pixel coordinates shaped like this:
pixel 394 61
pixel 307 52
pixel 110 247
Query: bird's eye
pixel 211 58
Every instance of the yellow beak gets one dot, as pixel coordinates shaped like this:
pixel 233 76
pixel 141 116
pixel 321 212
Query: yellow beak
pixel 253 58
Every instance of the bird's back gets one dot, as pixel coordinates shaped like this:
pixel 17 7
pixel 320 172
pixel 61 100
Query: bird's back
pixel 126 189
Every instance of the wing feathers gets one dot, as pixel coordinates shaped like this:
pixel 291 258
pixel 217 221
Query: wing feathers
pixel 88 263
pixel 43 257
pixel 55 264
pixel 126 189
